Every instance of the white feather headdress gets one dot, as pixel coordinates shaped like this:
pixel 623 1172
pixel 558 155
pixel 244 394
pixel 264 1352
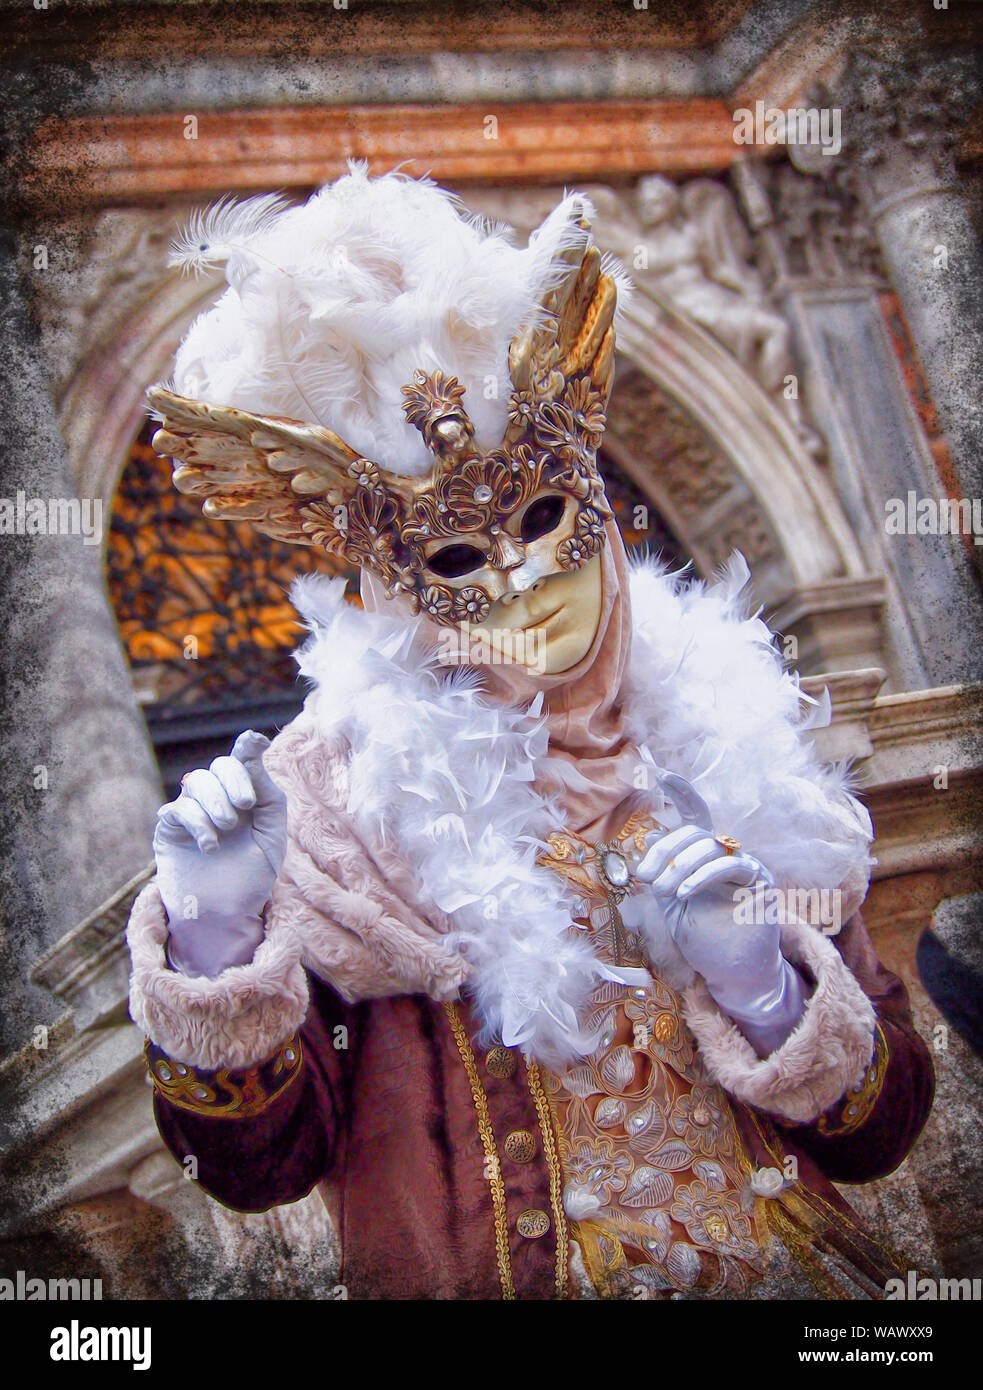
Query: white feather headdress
pixel 333 305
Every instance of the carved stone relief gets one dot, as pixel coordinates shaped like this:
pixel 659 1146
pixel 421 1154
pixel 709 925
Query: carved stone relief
pixel 822 233
pixel 652 424
pixel 689 476
pixel 689 245
pixel 693 249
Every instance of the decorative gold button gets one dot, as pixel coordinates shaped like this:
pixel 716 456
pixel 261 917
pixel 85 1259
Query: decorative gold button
pixel 501 1062
pixel 716 1227
pixel 520 1146
pixel 665 1028
pixel 532 1223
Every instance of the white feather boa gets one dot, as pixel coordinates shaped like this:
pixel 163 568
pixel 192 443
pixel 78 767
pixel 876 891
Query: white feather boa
pixel 445 778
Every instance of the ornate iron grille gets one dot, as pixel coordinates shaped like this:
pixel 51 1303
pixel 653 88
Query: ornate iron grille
pixel 202 606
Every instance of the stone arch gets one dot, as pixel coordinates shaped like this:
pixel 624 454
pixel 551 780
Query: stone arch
pixel 721 462
pixel 105 404
pixel 726 469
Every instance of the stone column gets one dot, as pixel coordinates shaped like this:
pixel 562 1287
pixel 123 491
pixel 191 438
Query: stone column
pixel 78 781
pixel 822 262
pixel 897 119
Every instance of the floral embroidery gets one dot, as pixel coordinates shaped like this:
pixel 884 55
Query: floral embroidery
pixel 713 1219
pixel 656 1011
pixel 654 1175
pixel 599 1168
pixel 700 1121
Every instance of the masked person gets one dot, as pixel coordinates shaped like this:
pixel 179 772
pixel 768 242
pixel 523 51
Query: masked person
pixel 493 942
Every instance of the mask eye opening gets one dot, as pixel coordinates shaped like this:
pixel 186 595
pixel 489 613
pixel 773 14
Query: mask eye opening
pixel 541 517
pixel 454 561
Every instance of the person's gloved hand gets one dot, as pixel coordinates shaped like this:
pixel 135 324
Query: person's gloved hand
pixel 693 878
pixel 219 847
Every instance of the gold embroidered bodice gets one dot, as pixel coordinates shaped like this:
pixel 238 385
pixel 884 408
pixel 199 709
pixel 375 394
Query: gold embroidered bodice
pixel 656 1182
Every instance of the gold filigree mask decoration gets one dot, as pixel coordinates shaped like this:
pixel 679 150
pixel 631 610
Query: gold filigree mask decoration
pixel 450 540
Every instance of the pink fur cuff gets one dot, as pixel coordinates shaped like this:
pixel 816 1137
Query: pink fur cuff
pixel 235 1020
pixel 822 1058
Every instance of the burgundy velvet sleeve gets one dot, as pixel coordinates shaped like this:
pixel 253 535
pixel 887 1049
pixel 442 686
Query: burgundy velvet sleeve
pixel 871 1130
pixel 256 1162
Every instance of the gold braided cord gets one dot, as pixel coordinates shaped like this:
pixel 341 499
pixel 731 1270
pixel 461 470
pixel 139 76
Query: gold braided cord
pixel 556 1177
pixel 848 1230
pixel 800 1247
pixel 492 1164
pixel 793 1221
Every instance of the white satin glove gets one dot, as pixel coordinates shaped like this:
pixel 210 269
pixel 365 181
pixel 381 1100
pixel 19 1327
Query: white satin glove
pixel 693 878
pixel 219 847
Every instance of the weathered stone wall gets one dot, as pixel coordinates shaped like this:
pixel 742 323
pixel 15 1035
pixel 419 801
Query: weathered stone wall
pixel 748 271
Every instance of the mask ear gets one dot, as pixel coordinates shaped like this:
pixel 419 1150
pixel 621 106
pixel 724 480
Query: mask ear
pixel 572 333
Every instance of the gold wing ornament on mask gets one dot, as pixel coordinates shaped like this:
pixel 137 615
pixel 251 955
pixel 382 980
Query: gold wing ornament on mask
pixel 301 483
pixel 251 467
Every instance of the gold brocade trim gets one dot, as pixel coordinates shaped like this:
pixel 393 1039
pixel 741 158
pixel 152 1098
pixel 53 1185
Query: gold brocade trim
pixel 813 1212
pixel 229 1094
pixel 556 1176
pixel 798 1243
pixel 856 1106
pixel 493 1167
pixel 603 1257
pixel 580 860
pixel 646 1139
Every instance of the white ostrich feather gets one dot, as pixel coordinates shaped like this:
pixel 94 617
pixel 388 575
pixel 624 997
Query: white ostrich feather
pixel 333 305
pixel 444 777
pixel 229 232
